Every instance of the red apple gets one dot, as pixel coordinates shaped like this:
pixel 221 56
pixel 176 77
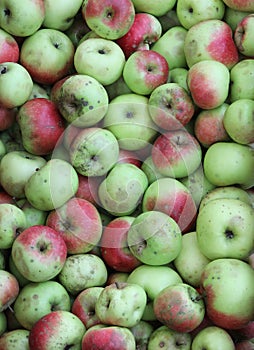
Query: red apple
pixel 7 117
pixel 9 48
pixel 9 289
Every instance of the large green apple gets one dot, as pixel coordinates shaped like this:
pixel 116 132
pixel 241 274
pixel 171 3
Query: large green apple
pixel 241 78
pixel 212 337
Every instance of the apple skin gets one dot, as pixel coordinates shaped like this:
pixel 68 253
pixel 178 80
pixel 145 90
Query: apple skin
pixel 227 285
pixel 88 187
pixel 243 35
pixel 108 337
pixel 9 289
pixel 111 19
pixel 246 5
pixel 3 323
pixel 142 332
pixel 127 156
pixel 244 345
pixel 58 329
pixel 114 247
pixel 39 252
pixel 7 117
pixel 9 48
pixel 233 17
pixel 180 307
pixel 178 75
pixel 14 339
pixel 157 9
pixel 164 336
pixel 239 87
pixel 213 336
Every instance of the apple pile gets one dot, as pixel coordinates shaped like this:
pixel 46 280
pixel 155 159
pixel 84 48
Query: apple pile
pixel 127 174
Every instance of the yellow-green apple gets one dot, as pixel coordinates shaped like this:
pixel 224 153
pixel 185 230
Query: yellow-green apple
pixel 153 278
pixel 16 84
pixel 154 238
pixel 190 262
pixel 163 336
pixel 21 19
pixel 100 58
pixel 46 191
pixel 59 329
pixel 81 100
pixel 79 223
pixel 40 90
pixel 20 278
pixel 12 223
pixel 179 307
pixel 243 36
pixel 152 173
pixel 121 304
pixel 47 55
pixel 114 248
pixel 142 332
pixel 38 299
pixel 9 48
pixel 108 337
pixel 94 151
pixel 229 163
pixel 172 197
pixel 115 276
pixel 176 153
pixel 3 323
pixel 33 215
pixel 233 17
pixel 178 75
pixel 214 89
pixel 66 12
pixel 129 119
pixel 171 46
pixel 9 289
pixel 209 127
pixel 19 337
pixel 233 237
pixel 245 5
pixel 239 87
pixel 157 9
pixel 111 19
pixel 83 306
pixel 227 285
pixel 238 121
pixel 39 253
pixel 213 337
pixel 170 106
pixel 145 70
pixel 119 87
pixel 145 30
pixel 82 271
pixel 7 117
pixel 121 191
pixel 190 12
pixel 41 125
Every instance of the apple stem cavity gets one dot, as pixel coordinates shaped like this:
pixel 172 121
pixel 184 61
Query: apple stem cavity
pixel 229 234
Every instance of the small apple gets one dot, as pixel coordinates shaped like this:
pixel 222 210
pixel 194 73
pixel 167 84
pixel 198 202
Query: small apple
pixel 178 75
pixel 14 338
pixel 239 87
pixel 142 332
pixel 213 336
pixel 33 215
pixel 9 48
pixel 159 8
pixel 163 337
pixel 9 289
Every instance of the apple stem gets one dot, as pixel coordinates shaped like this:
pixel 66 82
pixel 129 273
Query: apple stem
pixel 11 309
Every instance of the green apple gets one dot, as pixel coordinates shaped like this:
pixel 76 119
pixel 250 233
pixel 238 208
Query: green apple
pixel 119 87
pixel 159 8
pixel 16 84
pixel 238 121
pixel 178 75
pixel 101 59
pixel 243 35
pixel 129 119
pixel 15 339
pixel 242 87
pixel 163 336
pixel 33 215
pixel 154 238
pixel 233 17
pixel 151 171
pixel 45 190
pixel 142 332
pixel 3 323
pixel 229 163
pixel 22 280
pixel 190 262
pixel 212 337
pixel 39 91
pixel 121 304
pixel 16 168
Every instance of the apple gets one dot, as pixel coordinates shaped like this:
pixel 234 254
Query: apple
pixel 170 106
pixel 190 12
pixel 9 48
pixel 12 223
pixel 115 276
pixel 121 304
pixel 7 117
pixel 38 299
pixel 59 329
pixel 39 253
pixel 66 12
pixel 21 19
pixel 145 70
pixel 159 8
pixel 176 153
pixel 179 307
pixel 148 167
pixel 83 306
pixel 173 198
pixel 169 20
pixel 33 215
pixel 129 119
pixel 142 332
pixel 3 323
pixel 171 46
pixel 15 84
pixel 209 127
pixel 46 191
pixel 233 17
pixel 88 188
pixel 78 29
pixel 214 89
pixel 40 90
pixel 145 30
pixel 178 75
pixel 243 36
pixel 154 238
pixel 163 336
pixel 111 19
pixel 51 60
pixel 114 247
pixel 127 156
pixel 246 5
pixel 9 289
pixel 81 100
pixel 229 163
pixel 244 345
pixel 100 58
pixel 79 223
pixel 82 271
pixel 119 87
pixel 239 87
pixel 227 285
pixel 213 336
pixel 108 337
pixel 121 191
pixel 14 338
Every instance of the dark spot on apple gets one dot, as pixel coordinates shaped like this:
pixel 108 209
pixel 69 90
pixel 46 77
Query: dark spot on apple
pixel 91 313
pixel 69 19
pixel 3 70
pixel 101 51
pixel 35 296
pixel 37 169
pixel 7 12
pixel 149 68
pixel 45 181
pixel 42 246
pixel 56 45
pixel 129 115
pixel 91 107
pixel 191 10
pixel 162 344
pixel 68 346
pixel 229 234
pixel 180 343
